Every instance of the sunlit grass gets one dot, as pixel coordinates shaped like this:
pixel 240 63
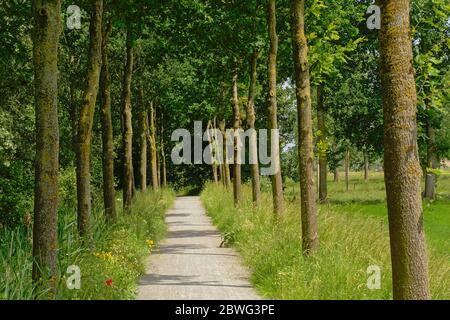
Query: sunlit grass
pixel 109 268
pixel 350 243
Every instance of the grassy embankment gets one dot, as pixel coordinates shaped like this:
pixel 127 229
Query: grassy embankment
pixel 353 234
pixel 109 268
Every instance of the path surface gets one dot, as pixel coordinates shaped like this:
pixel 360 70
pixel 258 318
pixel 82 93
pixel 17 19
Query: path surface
pixel 190 265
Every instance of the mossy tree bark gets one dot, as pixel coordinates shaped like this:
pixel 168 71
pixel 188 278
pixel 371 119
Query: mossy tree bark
pixel 226 167
pixel 143 127
pixel 251 118
pixel 109 193
pixel 153 150
pixel 323 160
pixel 401 162
pixel 213 153
pixel 127 135
pixel 237 187
pixel 163 154
pixel 47 28
pixel 272 108
pixel 310 239
pixel 86 118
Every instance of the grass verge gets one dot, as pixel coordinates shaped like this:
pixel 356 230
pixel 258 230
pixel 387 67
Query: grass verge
pixel 349 245
pixel 109 268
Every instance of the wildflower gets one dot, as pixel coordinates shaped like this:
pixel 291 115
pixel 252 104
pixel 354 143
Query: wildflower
pixel 150 243
pixel 104 255
pixel 109 282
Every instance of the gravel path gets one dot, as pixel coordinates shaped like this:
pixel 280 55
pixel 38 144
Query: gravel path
pixel 190 265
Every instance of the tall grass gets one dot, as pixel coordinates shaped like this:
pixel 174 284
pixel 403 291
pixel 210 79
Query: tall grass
pixel 349 244
pixel 117 253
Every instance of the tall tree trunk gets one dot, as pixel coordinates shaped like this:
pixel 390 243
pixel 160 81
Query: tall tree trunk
pixel 432 163
pixel 143 127
pixel 127 135
pixel 86 118
pixel 153 151
pixel 45 56
pixel 226 168
pixel 366 165
pixel 347 168
pixel 109 193
pixel 401 162
pixel 213 159
pixel 323 161
pixel 73 112
pixel 163 154
pixel 336 175
pixel 310 239
pixel 251 117
pixel 237 187
pixel 272 108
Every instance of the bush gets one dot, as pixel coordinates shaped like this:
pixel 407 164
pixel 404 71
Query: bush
pixel 16 189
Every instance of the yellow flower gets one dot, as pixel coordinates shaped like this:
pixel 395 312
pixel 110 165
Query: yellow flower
pixel 104 255
pixel 150 243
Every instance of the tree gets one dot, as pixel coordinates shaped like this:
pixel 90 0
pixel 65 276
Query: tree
pixel 323 161
pixel 310 240
pixel 86 118
pixel 401 163
pixel 277 183
pixel 143 127
pixel 127 134
pixel 251 117
pixel 153 147
pixel 109 193
pixel 46 33
pixel 237 187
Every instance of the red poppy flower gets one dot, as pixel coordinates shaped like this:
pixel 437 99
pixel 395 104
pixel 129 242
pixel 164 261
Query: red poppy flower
pixel 109 282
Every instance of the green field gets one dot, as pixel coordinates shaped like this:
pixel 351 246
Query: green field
pixel 368 198
pixel 353 235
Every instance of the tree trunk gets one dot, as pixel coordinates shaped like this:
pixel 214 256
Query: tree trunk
pixel 86 118
pixel 153 155
pixel 323 161
pixel 226 168
pixel 109 193
pixel 272 108
pixel 213 159
pixel 251 117
pixel 432 163
pixel 127 135
pixel 366 165
pixel 310 239
pixel 401 162
pixel 73 112
pixel 237 188
pixel 143 127
pixel 45 56
pixel 163 154
pixel 347 168
pixel 336 175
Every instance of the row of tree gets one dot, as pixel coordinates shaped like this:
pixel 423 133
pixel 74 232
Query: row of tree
pixel 157 66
